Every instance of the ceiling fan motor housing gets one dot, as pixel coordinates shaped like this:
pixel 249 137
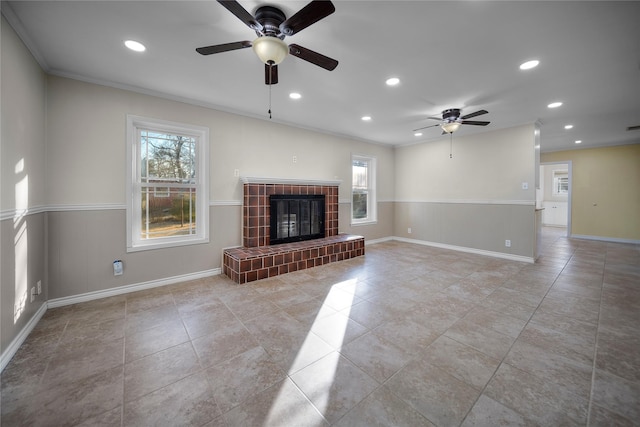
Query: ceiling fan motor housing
pixel 270 17
pixel 451 115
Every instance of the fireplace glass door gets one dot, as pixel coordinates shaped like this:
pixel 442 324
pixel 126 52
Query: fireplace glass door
pixel 296 217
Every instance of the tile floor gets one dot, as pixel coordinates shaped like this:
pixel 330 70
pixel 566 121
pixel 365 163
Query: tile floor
pixel 407 335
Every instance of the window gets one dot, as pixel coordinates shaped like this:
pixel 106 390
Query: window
pixel 167 184
pixel 363 189
pixel 560 182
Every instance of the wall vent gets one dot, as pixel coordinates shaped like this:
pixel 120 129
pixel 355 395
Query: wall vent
pixel 637 127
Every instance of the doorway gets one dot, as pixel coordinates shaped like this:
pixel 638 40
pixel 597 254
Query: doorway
pixel 554 195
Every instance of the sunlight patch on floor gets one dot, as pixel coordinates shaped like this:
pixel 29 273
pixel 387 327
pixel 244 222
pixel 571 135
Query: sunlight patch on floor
pixel 308 354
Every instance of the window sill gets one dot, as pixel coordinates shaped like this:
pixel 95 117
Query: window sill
pixel 165 245
pixel 366 222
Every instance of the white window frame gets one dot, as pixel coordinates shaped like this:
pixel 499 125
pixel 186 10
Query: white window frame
pixel 135 124
pixel 372 205
pixel 560 176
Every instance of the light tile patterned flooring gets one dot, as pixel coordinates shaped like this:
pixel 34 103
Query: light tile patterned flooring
pixel 407 335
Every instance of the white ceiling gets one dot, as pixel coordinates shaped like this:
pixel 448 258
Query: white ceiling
pixel 446 54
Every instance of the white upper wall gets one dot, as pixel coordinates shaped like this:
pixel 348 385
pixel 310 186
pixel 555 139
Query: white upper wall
pixel 490 166
pixel 23 125
pixel 86 146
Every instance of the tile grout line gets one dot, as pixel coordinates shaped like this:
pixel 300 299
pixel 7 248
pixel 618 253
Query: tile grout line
pixel 516 339
pixel 595 350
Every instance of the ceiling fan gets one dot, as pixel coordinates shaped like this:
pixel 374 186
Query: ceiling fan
pixel 272 26
pixel 451 120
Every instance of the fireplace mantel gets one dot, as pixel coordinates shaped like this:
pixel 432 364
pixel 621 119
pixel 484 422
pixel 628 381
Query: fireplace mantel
pixel 289 181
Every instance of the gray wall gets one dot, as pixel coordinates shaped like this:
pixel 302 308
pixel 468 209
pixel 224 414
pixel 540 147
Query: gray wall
pixel 22 155
pixel 473 200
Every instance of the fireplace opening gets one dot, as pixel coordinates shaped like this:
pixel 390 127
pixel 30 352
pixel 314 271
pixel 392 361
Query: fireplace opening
pixel 296 217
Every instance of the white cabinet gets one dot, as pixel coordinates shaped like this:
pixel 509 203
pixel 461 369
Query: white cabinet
pixel 555 213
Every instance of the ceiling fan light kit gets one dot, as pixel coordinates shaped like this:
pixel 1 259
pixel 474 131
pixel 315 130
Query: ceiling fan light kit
pixel 450 127
pixel 270 50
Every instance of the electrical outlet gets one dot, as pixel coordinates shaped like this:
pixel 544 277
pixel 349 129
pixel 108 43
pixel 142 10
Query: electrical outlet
pixel 117 268
pixel 295 159
pixel 236 173
pixel 507 243
pixel 409 230
pixel 39 285
pixel 33 294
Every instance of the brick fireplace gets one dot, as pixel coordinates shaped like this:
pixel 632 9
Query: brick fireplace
pixel 257 259
pixel 256 212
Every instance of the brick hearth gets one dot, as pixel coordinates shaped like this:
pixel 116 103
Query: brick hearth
pixel 259 260
pixel 244 265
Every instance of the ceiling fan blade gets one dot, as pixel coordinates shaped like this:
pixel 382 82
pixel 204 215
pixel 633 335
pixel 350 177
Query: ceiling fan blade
pixel 208 50
pixel 313 57
pixel 426 127
pixel 242 14
pixel 477 113
pixel 474 123
pixel 308 15
pixel 435 118
pixel 270 74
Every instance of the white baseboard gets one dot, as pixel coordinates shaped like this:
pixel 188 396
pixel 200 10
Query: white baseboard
pixel 605 239
pixel 374 241
pixel 89 296
pixel 11 350
pixel 502 255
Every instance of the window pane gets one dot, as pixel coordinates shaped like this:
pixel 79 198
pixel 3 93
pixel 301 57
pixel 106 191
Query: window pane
pixel 167 158
pixel 360 174
pixel 359 205
pixel 168 215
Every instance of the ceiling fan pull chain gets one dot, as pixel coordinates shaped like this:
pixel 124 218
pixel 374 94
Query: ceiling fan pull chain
pixel 451 145
pixel 270 86
pixel 269 102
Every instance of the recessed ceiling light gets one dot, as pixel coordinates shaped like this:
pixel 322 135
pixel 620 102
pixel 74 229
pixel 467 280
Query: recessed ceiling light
pixel 392 81
pixel 295 95
pixel 578 142
pixel 568 127
pixel 366 118
pixel 554 104
pixel 529 64
pixel 135 46
pixel 417 134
